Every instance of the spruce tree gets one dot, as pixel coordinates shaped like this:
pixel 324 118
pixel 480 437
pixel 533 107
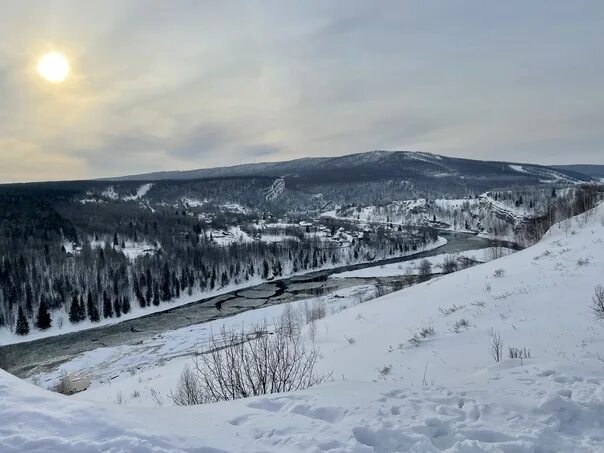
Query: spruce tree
pixel 166 291
pixel 74 310
pixel 22 326
pixel 125 305
pixel 138 294
pixel 82 312
pixel 117 306
pixel 93 312
pixel 29 301
pixel 149 295
pixel 43 320
pixel 107 307
pixel 156 296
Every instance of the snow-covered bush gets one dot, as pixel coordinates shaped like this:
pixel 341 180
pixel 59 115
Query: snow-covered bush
pixel 460 325
pixel 499 273
pixel 385 371
pixel 64 385
pixel 450 310
pixel 422 334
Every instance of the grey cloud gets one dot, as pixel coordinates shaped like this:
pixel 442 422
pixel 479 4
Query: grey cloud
pixel 188 84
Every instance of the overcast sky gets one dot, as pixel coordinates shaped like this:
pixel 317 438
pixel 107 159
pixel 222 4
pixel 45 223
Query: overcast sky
pixel 178 84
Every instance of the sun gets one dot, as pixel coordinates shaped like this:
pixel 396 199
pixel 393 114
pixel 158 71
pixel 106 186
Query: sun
pixel 53 67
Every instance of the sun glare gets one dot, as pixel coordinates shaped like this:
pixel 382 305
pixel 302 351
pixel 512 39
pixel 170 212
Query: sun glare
pixel 53 67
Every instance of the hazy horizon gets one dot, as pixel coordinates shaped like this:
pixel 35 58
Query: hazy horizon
pixel 158 86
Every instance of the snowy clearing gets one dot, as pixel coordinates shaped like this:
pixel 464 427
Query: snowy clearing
pixel 140 192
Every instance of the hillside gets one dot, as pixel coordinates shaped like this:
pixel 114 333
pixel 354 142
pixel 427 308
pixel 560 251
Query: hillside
pixel 378 165
pixel 441 391
pixel 594 171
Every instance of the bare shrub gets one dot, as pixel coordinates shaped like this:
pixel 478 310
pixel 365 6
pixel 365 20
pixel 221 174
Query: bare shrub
pixel 350 340
pixel 519 353
pixel 598 303
pixel 385 371
pixel 450 265
pixel 460 325
pixel 425 270
pixel 583 261
pixel 495 345
pixel 426 332
pixel 382 290
pixel 239 366
pixel 499 273
pixel 421 334
pixel 156 397
pixel 450 310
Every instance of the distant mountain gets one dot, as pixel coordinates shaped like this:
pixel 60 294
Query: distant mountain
pixel 380 166
pixel 594 171
pixel 302 185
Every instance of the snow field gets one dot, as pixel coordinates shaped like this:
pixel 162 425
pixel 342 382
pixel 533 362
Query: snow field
pixel 441 392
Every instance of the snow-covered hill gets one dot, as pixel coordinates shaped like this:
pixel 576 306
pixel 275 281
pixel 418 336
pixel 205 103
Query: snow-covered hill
pixel 437 392
pixel 380 165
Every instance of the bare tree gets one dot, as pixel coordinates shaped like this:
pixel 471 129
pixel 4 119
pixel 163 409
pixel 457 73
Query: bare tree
pixel 312 313
pixel 496 345
pixel 187 391
pixel 290 322
pixel 598 303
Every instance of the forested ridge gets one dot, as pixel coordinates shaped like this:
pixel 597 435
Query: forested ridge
pixel 68 261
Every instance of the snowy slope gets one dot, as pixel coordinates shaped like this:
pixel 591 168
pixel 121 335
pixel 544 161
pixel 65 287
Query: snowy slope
pixel 444 394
